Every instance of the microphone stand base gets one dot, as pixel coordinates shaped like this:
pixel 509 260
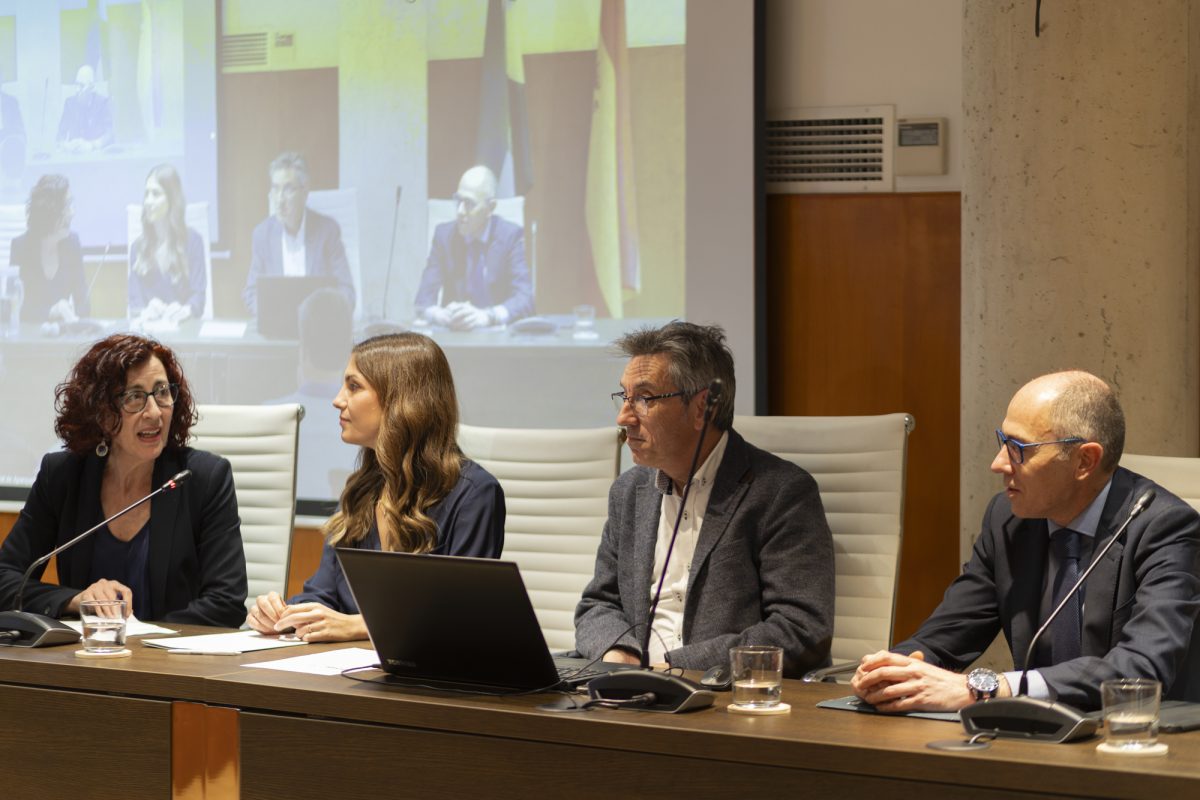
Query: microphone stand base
pixel 35 630
pixel 1027 718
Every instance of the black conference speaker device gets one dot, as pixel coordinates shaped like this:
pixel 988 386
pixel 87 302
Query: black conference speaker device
pixel 1024 717
pixel 25 629
pixel 648 691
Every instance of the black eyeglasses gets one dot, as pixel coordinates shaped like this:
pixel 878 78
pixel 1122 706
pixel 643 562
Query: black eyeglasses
pixel 135 400
pixel 641 403
pixel 1016 449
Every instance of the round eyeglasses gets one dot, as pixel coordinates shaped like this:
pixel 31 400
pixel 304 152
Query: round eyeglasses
pixel 134 401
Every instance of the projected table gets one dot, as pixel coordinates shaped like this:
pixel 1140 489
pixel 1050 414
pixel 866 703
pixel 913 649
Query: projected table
pixel 249 733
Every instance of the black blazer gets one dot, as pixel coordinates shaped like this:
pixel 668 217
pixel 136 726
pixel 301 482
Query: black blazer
pixel 196 565
pixel 1139 604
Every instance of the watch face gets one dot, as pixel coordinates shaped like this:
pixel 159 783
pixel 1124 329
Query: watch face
pixel 983 682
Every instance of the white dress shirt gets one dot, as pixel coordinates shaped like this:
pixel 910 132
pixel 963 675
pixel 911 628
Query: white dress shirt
pixel 293 250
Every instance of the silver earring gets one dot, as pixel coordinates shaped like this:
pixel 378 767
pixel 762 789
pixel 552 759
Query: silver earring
pixel 102 449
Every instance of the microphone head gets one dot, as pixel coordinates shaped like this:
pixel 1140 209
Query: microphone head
pixel 1147 497
pixel 179 478
pixel 715 390
pixel 622 435
pixel 399 191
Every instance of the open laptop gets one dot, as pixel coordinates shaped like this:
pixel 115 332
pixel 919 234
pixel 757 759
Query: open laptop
pixel 457 622
pixel 279 299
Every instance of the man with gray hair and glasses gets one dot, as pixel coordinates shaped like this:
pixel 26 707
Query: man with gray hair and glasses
pixel 294 240
pixel 752 563
pixel 1064 497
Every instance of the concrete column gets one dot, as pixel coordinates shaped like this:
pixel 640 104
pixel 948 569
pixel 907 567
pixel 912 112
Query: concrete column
pixel 1080 216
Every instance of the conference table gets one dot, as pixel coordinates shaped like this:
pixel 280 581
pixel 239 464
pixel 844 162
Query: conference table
pixel 160 725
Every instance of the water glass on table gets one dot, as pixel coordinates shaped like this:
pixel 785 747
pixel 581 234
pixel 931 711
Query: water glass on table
pixel 103 625
pixel 1131 716
pixel 757 676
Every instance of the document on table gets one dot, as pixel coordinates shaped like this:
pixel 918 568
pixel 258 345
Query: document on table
pixel 133 627
pixel 330 662
pixel 239 642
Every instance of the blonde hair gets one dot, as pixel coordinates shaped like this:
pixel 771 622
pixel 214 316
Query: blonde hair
pixel 416 461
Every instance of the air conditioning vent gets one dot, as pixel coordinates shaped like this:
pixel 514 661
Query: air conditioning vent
pixel 244 50
pixel 819 150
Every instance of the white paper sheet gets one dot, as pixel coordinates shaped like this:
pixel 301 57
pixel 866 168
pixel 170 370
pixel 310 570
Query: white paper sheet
pixel 331 662
pixel 133 627
pixel 238 642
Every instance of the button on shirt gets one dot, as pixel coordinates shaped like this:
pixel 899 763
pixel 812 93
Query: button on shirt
pixel 1085 525
pixel 667 630
pixel 293 250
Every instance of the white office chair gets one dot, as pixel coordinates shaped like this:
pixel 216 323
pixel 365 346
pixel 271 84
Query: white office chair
pixel 342 206
pixel 196 218
pixel 859 466
pixel 511 209
pixel 261 445
pixel 1177 474
pixel 556 486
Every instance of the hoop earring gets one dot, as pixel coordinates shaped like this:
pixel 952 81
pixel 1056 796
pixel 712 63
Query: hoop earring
pixel 102 449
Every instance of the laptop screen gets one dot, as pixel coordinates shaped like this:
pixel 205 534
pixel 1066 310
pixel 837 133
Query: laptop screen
pixel 449 620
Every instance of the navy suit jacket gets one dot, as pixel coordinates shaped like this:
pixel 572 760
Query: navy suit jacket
pixel 324 254
pixel 1139 604
pixel 196 566
pixel 506 274
pixel 470 522
pixel 762 571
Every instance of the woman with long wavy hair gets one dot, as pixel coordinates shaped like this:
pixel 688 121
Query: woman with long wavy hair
pixel 49 254
pixel 413 490
pixel 166 263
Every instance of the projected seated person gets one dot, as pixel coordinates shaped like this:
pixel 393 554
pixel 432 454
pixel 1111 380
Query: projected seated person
pixel 1064 497
pixel 50 257
pixel 413 491
pixel 326 326
pixel 124 416
pixel 477 263
pixel 87 122
pixel 295 240
pixel 12 135
pixel 167 274
pixel 753 560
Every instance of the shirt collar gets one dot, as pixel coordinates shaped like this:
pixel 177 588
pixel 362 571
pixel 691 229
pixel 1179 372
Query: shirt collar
pixel 704 474
pixel 1089 519
pixel 299 237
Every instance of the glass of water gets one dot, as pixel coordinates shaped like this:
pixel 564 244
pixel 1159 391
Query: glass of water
pixel 1131 713
pixel 103 625
pixel 757 675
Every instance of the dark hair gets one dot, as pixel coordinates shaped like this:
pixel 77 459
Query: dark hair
pixel 176 266
pixel 416 461
pixel 86 402
pixel 697 354
pixel 46 204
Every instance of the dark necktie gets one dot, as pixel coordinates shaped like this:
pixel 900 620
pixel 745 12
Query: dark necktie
pixel 1065 631
pixel 477 288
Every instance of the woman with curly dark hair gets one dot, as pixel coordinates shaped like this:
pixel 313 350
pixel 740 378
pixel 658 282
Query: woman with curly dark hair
pixel 49 254
pixel 166 263
pixel 413 490
pixel 124 415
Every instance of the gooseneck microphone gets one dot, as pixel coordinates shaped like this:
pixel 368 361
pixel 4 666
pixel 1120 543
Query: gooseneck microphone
pixel 1024 717
pixel 714 393
pixel 38 630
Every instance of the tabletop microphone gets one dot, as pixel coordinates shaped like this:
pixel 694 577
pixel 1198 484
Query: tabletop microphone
pixel 26 629
pixel 1025 717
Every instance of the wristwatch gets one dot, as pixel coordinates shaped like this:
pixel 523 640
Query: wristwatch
pixel 983 684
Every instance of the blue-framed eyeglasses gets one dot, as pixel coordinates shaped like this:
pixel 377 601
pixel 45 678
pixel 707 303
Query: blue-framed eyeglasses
pixel 1016 449
pixel 641 403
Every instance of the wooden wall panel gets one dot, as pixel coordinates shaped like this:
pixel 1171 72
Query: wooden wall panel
pixel 863 318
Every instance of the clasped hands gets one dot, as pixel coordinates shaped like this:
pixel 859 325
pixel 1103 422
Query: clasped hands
pixel 897 683
pixel 459 316
pixel 312 622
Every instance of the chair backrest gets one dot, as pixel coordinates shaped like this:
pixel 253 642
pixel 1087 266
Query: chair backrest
pixel 195 216
pixel 859 465
pixel 556 486
pixel 342 206
pixel 260 443
pixel 12 225
pixel 1177 474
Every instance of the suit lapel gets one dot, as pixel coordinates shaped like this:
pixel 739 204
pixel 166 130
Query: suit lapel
pixel 729 487
pixel 646 513
pixel 1027 551
pixel 164 513
pixel 74 565
pixel 311 262
pixel 1100 591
